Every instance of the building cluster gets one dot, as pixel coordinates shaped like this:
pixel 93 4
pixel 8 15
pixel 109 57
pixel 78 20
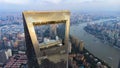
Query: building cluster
pixel 16 61
pixel 79 57
pixel 108 31
pixel 49 33
pixel 12 39
pixel 12 34
pixel 5 54
pixel 12 42
pixel 78 17
pixel 10 18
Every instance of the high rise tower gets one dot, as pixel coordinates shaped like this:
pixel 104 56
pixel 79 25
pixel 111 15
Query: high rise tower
pixel 51 52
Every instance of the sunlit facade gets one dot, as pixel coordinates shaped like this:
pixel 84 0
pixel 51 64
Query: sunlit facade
pixel 47 36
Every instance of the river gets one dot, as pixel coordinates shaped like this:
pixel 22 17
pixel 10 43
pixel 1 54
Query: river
pixel 101 50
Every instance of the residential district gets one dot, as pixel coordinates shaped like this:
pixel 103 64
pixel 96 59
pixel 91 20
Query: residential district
pixel 12 41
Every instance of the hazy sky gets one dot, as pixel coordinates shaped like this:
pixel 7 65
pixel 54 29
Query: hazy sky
pixel 83 5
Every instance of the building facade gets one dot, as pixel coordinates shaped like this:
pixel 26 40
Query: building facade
pixel 54 45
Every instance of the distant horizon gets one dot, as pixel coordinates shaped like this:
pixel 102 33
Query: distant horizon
pixel 101 13
pixel 78 5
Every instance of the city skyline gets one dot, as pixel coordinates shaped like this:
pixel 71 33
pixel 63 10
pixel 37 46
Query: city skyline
pixel 79 5
pixel 94 33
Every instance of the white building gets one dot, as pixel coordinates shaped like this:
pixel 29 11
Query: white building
pixel 8 53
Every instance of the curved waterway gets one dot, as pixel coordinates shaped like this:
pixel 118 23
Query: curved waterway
pixel 101 50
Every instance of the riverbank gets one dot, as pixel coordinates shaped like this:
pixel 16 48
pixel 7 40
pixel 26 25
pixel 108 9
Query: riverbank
pixel 81 57
pixel 103 34
pixel 95 46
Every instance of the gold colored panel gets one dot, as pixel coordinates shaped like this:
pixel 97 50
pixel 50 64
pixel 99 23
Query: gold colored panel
pixel 35 18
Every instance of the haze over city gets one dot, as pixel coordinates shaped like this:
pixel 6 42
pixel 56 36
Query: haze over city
pixel 92 29
pixel 77 5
